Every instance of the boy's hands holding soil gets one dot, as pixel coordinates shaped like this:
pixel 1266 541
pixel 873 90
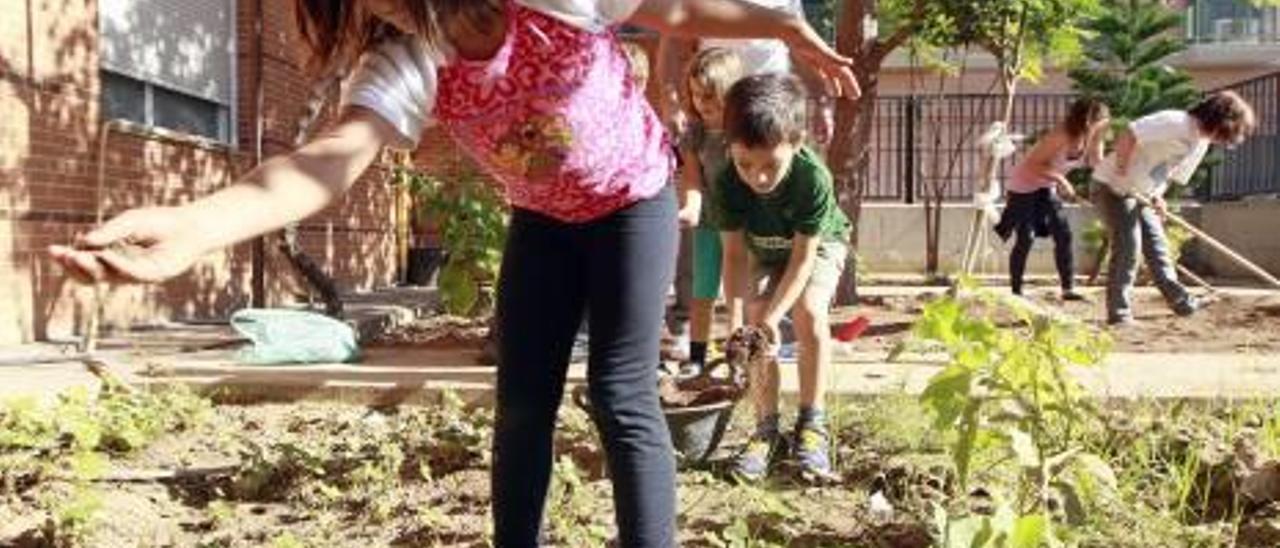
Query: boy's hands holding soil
pixel 143 245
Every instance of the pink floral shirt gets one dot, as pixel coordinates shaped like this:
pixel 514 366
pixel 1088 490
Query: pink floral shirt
pixel 553 115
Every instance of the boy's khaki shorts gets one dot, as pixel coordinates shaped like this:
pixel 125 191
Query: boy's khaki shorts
pixel 765 277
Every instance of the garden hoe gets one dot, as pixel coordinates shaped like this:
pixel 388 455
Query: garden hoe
pixel 1215 244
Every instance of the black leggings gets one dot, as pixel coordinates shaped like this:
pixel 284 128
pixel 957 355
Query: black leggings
pixel 618 270
pixel 1038 214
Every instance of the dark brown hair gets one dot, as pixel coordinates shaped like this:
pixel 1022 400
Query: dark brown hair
pixel 1225 116
pixel 765 110
pixel 337 31
pixel 1082 115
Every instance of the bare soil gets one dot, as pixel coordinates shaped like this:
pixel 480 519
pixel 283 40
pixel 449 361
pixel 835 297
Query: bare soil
pixel 1227 324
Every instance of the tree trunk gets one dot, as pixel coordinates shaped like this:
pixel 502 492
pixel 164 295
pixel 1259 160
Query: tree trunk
pixel 850 153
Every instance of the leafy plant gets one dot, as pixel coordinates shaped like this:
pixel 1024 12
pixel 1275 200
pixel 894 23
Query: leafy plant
pixel 287 540
pixel 472 217
pixel 1094 237
pixel 572 512
pixel 79 430
pixel 74 519
pixel 762 516
pixel 1128 56
pixel 1007 390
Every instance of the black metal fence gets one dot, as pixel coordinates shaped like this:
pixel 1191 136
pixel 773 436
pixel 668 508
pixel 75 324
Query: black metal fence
pixel 927 145
pixel 1253 167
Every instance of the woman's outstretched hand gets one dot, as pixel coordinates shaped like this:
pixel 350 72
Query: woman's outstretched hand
pixel 836 70
pixel 141 245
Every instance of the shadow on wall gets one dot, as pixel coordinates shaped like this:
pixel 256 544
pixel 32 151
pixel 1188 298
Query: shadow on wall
pixel 49 102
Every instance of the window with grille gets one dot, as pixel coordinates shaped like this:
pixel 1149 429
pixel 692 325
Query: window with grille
pixel 169 64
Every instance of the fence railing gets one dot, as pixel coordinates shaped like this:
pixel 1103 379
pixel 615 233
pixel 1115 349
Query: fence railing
pixel 1253 167
pixel 926 145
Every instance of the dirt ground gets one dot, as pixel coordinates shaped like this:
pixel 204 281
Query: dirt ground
pixel 328 475
pixel 1227 324
pixel 307 475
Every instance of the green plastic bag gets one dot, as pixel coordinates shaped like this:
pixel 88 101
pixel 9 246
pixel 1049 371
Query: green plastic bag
pixel 293 336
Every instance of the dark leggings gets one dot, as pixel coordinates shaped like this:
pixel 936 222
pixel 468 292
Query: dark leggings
pixel 618 270
pixel 1048 211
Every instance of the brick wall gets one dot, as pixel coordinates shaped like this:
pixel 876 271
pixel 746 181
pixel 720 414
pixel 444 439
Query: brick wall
pixel 49 115
pixel 49 120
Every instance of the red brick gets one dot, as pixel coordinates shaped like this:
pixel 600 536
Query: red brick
pixel 54 148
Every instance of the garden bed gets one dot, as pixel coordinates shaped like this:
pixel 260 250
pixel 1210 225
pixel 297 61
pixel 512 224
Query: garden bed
pixel 338 475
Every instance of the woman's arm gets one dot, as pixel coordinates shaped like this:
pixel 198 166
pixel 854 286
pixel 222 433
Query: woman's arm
pixel 1126 146
pixel 294 186
pixel 738 19
pixel 673 54
pixel 153 244
pixel 1096 148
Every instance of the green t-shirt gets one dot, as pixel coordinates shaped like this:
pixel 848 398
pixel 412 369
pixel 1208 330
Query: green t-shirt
pixel 804 203
pixel 713 154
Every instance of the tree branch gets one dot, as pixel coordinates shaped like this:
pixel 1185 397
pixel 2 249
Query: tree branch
pixel 883 48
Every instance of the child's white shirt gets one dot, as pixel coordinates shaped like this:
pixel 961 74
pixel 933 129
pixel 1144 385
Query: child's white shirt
pixel 397 79
pixel 1169 147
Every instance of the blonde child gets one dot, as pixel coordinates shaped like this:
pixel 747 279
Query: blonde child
pixel 708 78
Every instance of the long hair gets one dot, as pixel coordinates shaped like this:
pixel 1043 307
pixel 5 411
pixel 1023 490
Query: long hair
pixel 1226 116
pixel 337 31
pixel 1082 115
pixel 715 69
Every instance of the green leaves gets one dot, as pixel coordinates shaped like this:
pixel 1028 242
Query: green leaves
pixel 1005 529
pixel 472 220
pixel 1023 35
pixel 1007 388
pixel 1126 60
pixel 1029 532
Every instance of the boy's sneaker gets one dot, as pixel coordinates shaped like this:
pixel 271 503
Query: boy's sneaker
pixel 763 447
pixel 812 453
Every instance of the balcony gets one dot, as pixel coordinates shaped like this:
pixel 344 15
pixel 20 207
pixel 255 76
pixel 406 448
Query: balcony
pixel 1230 35
pixel 1231 22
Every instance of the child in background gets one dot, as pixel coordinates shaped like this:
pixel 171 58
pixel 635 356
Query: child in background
pixel 784 251
pixel 1155 149
pixel 1039 184
pixel 709 76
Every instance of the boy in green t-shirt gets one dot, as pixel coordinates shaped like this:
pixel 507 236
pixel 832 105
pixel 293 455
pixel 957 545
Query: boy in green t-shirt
pixel 784 250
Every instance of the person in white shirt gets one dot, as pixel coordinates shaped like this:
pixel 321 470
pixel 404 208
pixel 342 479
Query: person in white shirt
pixel 1165 146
